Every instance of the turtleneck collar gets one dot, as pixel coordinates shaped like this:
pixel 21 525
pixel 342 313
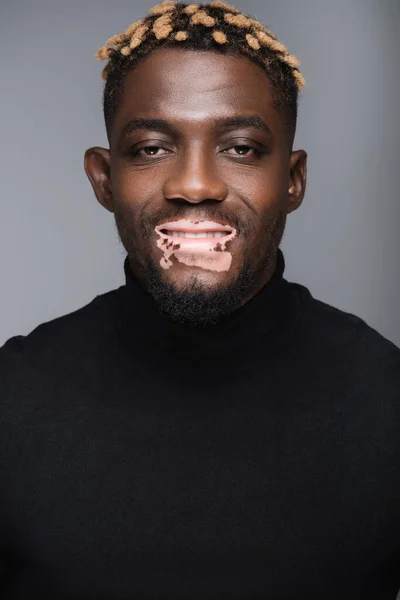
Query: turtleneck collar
pixel 256 324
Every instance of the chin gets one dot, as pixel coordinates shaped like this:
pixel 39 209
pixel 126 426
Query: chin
pixel 186 277
pixel 193 296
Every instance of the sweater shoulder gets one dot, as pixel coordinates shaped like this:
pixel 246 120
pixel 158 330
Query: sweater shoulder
pixel 344 336
pixel 58 337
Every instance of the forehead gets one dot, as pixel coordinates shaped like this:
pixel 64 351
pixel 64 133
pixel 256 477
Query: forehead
pixel 197 86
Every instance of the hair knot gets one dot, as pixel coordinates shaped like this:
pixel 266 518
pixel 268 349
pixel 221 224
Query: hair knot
pixel 257 26
pixel 135 42
pixel 252 41
pixel 103 53
pixel 162 26
pixel 165 7
pixel 273 44
pixel 237 20
pixel 291 60
pixel 220 37
pixel 224 6
pixel 120 38
pixel 139 33
pixel 202 18
pixel 181 36
pixel 191 9
pixel 133 27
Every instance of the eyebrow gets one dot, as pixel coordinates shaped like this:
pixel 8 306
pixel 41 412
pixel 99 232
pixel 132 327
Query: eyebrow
pixel 226 123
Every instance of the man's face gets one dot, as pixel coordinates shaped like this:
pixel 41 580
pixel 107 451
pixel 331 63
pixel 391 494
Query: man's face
pixel 183 154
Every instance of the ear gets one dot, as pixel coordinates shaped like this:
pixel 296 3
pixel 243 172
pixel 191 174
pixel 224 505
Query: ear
pixel 297 180
pixel 97 168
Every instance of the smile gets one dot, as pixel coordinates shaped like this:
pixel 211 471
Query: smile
pixel 190 234
pixel 194 234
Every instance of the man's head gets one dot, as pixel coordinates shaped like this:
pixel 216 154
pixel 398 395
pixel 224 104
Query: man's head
pixel 200 106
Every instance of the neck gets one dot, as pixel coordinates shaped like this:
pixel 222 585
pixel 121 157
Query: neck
pixel 263 281
pixel 231 344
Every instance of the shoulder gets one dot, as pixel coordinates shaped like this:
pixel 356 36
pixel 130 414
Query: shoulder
pixel 60 338
pixel 348 328
pixel 347 341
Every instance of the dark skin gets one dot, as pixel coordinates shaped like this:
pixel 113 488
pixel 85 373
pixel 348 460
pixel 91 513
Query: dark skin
pixel 198 168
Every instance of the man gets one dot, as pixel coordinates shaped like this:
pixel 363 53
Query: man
pixel 209 429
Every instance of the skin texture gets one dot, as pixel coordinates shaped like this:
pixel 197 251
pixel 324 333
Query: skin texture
pixel 199 170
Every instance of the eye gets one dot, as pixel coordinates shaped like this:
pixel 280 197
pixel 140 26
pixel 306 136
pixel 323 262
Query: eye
pixel 243 150
pixel 149 151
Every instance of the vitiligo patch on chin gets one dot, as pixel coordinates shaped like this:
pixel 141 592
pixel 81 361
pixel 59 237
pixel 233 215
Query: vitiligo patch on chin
pixel 210 260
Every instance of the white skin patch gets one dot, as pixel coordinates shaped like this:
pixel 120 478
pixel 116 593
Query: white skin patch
pixel 204 253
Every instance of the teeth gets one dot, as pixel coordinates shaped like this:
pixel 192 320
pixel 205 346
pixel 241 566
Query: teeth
pixel 203 234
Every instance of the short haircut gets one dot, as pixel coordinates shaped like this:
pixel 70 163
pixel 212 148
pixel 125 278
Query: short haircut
pixel 217 27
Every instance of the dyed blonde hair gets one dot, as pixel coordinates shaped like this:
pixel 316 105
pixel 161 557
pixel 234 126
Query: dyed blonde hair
pixel 214 26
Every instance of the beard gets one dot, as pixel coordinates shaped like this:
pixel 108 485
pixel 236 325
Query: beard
pixel 195 305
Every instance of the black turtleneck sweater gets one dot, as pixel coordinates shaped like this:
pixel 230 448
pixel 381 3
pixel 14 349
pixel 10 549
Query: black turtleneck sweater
pixel 256 459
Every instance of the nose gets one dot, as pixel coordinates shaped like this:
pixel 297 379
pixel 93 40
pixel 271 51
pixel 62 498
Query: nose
pixel 195 179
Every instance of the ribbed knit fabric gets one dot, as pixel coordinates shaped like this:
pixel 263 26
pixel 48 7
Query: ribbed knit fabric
pixel 257 458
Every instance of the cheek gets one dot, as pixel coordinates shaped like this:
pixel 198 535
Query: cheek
pixel 265 190
pixel 134 188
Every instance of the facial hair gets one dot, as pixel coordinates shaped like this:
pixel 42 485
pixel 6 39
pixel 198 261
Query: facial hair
pixel 196 306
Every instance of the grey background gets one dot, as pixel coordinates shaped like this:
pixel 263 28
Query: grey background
pixel 59 248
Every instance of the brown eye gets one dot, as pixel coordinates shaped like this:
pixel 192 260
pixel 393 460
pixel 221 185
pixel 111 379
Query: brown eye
pixel 149 151
pixel 243 150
